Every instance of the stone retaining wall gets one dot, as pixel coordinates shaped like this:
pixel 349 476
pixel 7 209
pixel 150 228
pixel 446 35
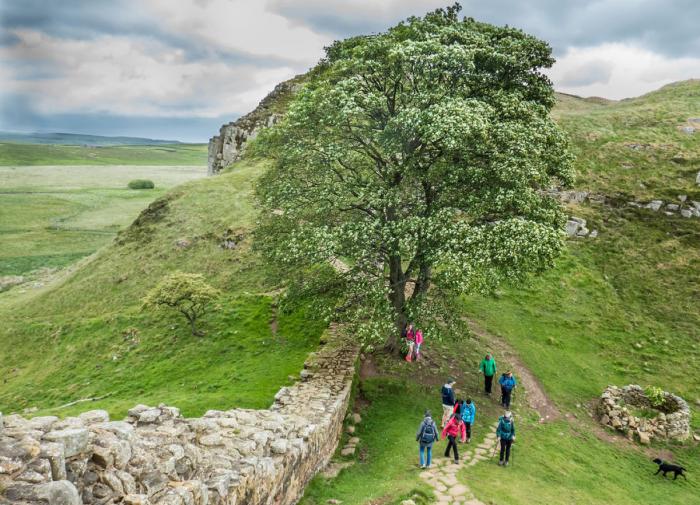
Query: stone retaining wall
pixel 672 422
pixel 156 456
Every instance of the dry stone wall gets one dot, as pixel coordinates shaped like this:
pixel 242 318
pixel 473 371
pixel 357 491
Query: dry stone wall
pixel 156 456
pixel 671 422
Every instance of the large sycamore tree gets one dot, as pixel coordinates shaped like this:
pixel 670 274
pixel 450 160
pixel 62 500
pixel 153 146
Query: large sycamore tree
pixel 420 157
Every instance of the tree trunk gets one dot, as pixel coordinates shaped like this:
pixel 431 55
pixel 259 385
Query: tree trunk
pixel 397 296
pixel 193 327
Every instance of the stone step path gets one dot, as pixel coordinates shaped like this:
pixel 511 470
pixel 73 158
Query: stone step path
pixel 442 474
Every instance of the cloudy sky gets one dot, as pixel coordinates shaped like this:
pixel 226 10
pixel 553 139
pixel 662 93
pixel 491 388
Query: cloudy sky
pixel 178 69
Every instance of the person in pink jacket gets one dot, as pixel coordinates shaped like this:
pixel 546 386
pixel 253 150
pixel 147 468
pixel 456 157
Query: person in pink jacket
pixel 454 428
pixel 419 341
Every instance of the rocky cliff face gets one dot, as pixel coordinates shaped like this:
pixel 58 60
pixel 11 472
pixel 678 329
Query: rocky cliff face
pixel 157 457
pixel 228 145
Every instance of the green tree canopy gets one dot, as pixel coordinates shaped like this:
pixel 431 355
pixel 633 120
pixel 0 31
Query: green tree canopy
pixel 421 157
pixel 188 294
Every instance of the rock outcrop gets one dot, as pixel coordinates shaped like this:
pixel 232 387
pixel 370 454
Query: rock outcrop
pixel 156 456
pixel 670 422
pixel 229 144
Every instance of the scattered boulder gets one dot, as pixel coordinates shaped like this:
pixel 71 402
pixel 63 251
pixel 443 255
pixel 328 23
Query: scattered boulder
pixel 655 205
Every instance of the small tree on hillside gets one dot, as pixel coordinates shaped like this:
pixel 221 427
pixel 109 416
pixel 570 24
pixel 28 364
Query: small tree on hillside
pixel 188 294
pixel 420 156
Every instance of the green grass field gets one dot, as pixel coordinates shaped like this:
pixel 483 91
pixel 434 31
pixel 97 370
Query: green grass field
pixel 21 154
pixel 50 216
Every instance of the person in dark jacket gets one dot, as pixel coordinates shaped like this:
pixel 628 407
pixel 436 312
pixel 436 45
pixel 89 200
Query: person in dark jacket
pixel 488 368
pixel 453 429
pixel 448 400
pixel 508 384
pixel 427 434
pixel 506 434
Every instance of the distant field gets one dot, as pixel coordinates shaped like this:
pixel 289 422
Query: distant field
pixel 41 154
pixel 51 216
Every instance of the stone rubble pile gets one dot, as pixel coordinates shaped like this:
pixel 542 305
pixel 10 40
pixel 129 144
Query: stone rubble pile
pixel 156 456
pixel 672 420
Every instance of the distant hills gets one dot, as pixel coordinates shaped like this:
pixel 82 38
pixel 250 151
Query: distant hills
pixel 76 139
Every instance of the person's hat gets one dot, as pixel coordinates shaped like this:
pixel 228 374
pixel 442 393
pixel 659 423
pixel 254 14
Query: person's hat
pixel 469 400
pixel 451 380
pixel 427 413
pixel 508 414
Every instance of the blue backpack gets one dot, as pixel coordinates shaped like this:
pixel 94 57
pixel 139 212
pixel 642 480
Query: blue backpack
pixel 428 435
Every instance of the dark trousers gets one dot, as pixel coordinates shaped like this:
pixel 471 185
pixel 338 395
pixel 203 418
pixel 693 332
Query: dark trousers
pixel 505 448
pixel 488 380
pixel 451 443
pixel 505 397
pixel 468 427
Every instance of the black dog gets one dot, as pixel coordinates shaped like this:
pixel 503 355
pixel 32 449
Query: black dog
pixel 668 467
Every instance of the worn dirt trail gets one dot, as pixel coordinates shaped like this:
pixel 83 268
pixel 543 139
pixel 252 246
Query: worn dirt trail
pixel 536 397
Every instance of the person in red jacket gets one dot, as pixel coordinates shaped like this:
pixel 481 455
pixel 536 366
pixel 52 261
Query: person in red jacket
pixel 454 428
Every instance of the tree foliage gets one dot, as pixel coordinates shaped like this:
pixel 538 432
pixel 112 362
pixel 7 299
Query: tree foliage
pixel 420 156
pixel 188 294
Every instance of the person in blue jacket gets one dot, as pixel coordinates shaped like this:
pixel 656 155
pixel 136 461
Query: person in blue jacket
pixel 508 384
pixel 468 416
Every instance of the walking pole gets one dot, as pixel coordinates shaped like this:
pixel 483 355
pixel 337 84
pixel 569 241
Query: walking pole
pixel 512 446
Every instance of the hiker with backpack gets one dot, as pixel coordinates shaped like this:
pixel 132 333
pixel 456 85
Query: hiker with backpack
pixel 426 436
pixel 410 336
pixel 453 429
pixel 468 415
pixel 506 434
pixel 488 368
pixel 448 400
pixel 507 382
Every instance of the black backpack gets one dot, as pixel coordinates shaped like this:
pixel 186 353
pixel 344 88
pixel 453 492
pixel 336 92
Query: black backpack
pixel 428 434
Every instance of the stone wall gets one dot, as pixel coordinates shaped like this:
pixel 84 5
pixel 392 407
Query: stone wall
pixel 671 422
pixel 155 456
pixel 228 145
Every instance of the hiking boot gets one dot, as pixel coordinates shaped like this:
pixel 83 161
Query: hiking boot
pixel 500 463
pixel 422 467
pixel 456 462
pixel 505 464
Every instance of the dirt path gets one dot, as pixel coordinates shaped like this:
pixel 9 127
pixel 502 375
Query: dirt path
pixel 535 395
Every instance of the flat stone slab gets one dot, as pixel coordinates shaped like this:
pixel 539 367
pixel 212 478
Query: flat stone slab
pixel 458 490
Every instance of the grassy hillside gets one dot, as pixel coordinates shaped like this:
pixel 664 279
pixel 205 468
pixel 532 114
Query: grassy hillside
pixel 619 309
pixel 21 154
pixel 50 216
pixel 85 335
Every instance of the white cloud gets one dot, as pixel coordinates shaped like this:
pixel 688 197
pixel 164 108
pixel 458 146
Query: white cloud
pixel 134 76
pixel 633 71
pixel 241 25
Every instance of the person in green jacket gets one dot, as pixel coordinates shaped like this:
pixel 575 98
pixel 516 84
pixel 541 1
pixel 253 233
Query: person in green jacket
pixel 488 368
